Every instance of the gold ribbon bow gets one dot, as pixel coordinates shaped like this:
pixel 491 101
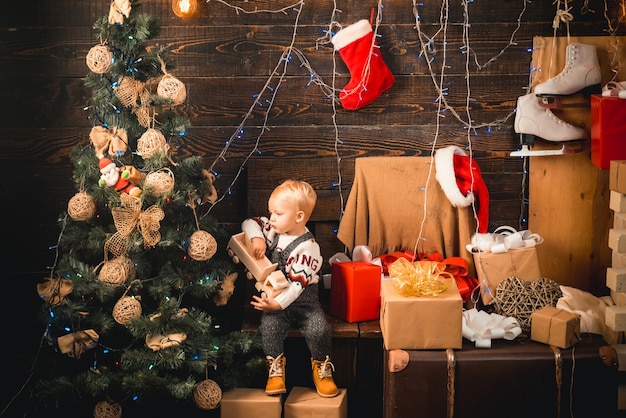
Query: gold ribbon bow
pixel 128 217
pixel 420 278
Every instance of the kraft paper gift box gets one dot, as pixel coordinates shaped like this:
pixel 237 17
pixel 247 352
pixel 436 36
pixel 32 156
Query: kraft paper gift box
pixel 617 176
pixel 355 291
pixel 421 322
pixel 492 268
pixel 306 403
pixel 250 402
pixel 608 130
pixel 553 326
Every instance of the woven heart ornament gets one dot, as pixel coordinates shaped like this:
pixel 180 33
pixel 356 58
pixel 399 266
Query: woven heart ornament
pixel 519 298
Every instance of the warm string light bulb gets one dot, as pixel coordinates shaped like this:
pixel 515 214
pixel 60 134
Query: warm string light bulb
pixel 184 8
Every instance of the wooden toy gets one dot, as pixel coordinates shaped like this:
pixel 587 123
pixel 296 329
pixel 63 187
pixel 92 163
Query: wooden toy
pixel 239 250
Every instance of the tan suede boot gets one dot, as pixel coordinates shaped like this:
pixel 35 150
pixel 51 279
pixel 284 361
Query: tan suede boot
pixel 276 379
pixel 323 378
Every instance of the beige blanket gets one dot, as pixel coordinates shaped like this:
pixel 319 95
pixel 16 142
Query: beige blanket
pixel 385 210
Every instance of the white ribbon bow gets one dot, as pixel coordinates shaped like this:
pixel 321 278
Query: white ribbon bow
pixel 503 239
pixel 480 327
pixel 359 253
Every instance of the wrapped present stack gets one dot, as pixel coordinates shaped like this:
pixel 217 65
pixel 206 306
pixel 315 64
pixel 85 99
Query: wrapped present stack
pixel 616 274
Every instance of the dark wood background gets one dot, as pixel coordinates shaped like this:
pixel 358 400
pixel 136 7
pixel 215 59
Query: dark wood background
pixel 225 58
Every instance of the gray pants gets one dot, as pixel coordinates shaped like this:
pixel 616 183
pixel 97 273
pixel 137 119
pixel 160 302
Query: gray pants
pixel 305 314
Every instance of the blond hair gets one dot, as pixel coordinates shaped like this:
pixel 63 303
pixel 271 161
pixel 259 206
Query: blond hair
pixel 299 192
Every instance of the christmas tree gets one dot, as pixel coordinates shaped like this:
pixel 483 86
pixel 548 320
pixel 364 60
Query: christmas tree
pixel 133 300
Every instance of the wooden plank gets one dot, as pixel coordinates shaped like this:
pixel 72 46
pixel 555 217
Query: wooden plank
pixel 570 189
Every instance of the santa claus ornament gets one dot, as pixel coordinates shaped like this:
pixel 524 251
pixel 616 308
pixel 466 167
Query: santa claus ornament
pixel 112 177
pixel 369 75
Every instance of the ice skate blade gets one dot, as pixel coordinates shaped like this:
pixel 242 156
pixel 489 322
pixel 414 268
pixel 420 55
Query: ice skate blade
pixel 585 91
pixel 525 151
pixel 557 102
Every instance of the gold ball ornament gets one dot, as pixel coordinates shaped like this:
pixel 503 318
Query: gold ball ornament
pixel 115 272
pixel 81 206
pixel 202 246
pixel 99 59
pixel 107 409
pixel 207 394
pixel 151 142
pixel 126 309
pixel 172 88
pixel 160 182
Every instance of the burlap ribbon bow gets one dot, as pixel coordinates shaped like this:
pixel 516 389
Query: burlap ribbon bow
pixel 118 11
pixel 128 217
pixel 78 342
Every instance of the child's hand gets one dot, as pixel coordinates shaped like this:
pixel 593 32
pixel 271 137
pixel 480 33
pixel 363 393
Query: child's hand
pixel 258 247
pixel 265 303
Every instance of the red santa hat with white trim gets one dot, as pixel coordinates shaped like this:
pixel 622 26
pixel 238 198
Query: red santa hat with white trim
pixel 461 180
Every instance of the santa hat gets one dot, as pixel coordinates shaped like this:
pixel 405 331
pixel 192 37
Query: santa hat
pixel 105 165
pixel 461 184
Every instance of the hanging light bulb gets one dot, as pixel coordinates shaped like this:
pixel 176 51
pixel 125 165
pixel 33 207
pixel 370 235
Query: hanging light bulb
pixel 184 8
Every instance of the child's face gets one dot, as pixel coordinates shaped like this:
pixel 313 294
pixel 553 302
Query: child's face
pixel 284 215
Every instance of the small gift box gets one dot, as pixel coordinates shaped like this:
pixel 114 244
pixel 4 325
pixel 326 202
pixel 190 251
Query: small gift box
pixel 306 403
pixel 355 291
pixel 617 176
pixel 492 268
pixel 432 320
pixel 608 130
pixel 553 326
pixel 244 402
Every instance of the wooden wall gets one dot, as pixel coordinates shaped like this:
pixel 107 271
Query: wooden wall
pixel 225 58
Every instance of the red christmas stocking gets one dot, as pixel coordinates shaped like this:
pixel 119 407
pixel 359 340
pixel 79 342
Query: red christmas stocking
pixel 370 76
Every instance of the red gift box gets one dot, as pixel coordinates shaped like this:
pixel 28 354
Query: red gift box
pixel 355 291
pixel 608 130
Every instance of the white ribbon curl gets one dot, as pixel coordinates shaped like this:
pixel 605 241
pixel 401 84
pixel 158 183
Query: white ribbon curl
pixel 480 327
pixel 503 239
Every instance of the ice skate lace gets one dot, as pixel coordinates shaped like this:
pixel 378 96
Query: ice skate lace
pixel 557 120
pixel 276 366
pixel 571 63
pixel 326 369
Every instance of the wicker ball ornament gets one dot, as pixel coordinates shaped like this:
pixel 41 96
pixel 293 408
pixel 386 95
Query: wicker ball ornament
pixel 115 272
pixel 202 246
pixel 81 206
pixel 151 142
pixel 172 88
pixel 107 409
pixel 160 182
pixel 126 309
pixel 207 394
pixel 99 59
